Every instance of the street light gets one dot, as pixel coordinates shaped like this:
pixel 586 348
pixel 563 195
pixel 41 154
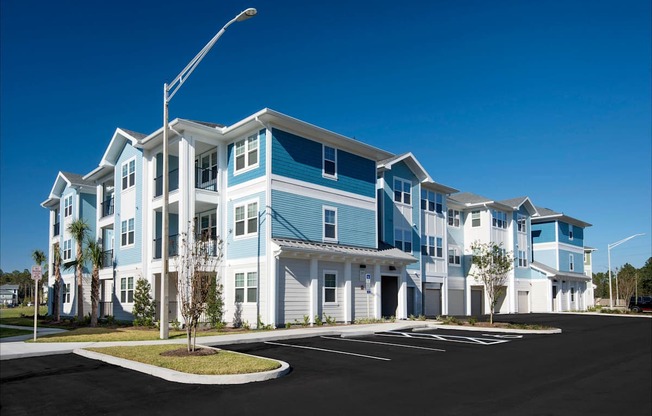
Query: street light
pixel 169 90
pixel 609 247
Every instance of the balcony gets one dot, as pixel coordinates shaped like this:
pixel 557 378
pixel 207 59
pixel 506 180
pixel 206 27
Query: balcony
pixel 206 178
pixel 209 243
pixel 173 246
pixel 55 229
pixel 173 185
pixel 107 259
pixel 107 207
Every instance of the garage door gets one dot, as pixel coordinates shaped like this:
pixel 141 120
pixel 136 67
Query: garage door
pixel 432 302
pixel 523 302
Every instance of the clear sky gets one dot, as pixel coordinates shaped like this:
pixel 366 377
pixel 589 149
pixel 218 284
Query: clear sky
pixel 549 99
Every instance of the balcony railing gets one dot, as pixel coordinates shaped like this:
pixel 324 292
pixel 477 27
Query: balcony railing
pixel 209 243
pixel 173 185
pixel 107 207
pixel 55 229
pixel 173 246
pixel 106 309
pixel 206 178
pixel 107 259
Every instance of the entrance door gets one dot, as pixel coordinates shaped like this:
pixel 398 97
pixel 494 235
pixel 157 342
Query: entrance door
pixel 207 171
pixel 389 299
pixel 523 304
pixel 476 302
pixel 410 301
pixel 432 302
pixel 554 298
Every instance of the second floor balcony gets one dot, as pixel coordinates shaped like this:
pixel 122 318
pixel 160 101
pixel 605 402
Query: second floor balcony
pixel 107 207
pixel 107 259
pixel 172 185
pixel 206 178
pixel 55 229
pixel 173 246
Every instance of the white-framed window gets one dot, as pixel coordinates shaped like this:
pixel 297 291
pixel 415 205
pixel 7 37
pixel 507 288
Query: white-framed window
pixel 127 232
pixel 330 287
pixel 475 219
pixel 522 258
pixel 246 219
pixel 453 218
pixel 67 206
pixel 521 223
pixel 67 249
pixel 454 257
pixel 498 219
pixel 330 224
pixel 246 154
pixel 571 262
pixel 66 293
pixel 329 162
pixel 432 201
pixel 128 174
pixel 246 287
pixel 432 246
pixel 402 191
pixel 570 231
pixel 127 290
pixel 403 239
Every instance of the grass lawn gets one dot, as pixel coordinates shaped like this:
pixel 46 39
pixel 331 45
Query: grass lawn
pixel 11 332
pixel 12 316
pixel 100 334
pixel 224 362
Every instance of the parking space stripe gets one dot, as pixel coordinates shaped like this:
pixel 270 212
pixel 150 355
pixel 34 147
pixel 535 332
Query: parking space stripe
pixel 438 337
pixel 385 343
pixel 325 350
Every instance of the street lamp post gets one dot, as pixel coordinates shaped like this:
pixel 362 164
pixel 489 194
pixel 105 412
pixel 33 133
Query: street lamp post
pixel 609 247
pixel 169 90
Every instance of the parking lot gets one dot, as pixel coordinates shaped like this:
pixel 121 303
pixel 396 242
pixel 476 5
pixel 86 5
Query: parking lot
pixel 598 365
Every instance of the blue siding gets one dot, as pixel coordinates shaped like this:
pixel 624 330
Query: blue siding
pixel 547 257
pixel 300 217
pixel 87 212
pixel 249 246
pixel 544 232
pixel 250 174
pixel 299 158
pixel 564 261
pixel 401 171
pixel 578 235
pixel 133 254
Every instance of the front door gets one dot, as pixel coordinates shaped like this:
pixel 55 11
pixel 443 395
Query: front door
pixel 476 302
pixel 389 298
pixel 554 298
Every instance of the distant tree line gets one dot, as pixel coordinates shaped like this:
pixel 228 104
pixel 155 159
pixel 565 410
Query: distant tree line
pixel 24 281
pixel 630 281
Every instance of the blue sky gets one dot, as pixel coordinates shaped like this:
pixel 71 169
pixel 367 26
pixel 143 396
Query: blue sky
pixel 504 98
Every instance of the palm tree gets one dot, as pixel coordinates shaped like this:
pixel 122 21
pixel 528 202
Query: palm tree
pixel 94 254
pixel 78 230
pixel 56 304
pixel 39 259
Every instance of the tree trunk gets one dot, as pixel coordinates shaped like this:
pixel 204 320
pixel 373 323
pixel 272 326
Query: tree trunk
pixel 80 292
pixel 56 308
pixel 95 295
pixel 188 338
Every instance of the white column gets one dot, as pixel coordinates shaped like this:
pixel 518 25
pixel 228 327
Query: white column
pixel 272 281
pixel 401 312
pixel 314 290
pixel 377 295
pixel 185 224
pixel 444 296
pixel 348 294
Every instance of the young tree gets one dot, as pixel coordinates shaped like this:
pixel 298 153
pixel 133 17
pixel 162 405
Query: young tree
pixel 94 254
pixel 39 259
pixel 196 264
pixel 143 304
pixel 627 279
pixel 491 266
pixel 78 230
pixel 56 304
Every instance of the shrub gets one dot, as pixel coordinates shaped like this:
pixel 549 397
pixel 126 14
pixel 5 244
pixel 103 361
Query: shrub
pixel 143 310
pixel 215 305
pixel 473 320
pixel 318 320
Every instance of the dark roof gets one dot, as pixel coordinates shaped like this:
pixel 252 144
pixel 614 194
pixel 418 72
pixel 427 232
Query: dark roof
pixel 469 198
pixel 513 202
pixel 391 159
pixel 76 179
pixel 134 134
pixel 544 212
pixel 385 252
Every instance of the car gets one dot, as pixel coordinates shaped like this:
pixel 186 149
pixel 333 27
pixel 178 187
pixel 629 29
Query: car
pixel 640 304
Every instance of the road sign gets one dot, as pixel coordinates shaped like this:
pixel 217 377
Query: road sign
pixel 36 272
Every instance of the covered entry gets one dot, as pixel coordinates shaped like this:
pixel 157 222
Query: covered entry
pixel 389 299
pixel 432 299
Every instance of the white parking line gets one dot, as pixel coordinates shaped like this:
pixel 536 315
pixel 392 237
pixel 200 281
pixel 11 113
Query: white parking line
pixel 385 343
pixel 325 350
pixel 437 337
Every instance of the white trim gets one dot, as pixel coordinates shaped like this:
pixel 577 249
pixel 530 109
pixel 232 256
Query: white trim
pixel 281 183
pixel 557 246
pixel 247 166
pixel 403 182
pixel 323 288
pixel 323 162
pixel 126 162
pixel 323 226
pixel 127 232
pixel 246 204
pixel 247 188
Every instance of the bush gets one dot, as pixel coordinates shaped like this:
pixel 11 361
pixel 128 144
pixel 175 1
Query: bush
pixel 215 305
pixel 143 304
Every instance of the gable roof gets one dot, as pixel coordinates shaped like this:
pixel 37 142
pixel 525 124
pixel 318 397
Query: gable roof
pixel 63 180
pixel 546 214
pixel 517 203
pixel 413 164
pixel 112 152
pixel 471 200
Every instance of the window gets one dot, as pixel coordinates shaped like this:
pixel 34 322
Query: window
pixel 433 246
pixel 246 153
pixel 127 290
pixel 454 256
pixel 570 231
pixel 246 290
pixel 453 218
pixel 571 262
pixel 329 162
pixel 67 206
pixel 67 250
pixel 475 218
pixel 440 247
pixel 128 174
pixel 521 223
pixel 431 201
pixel 572 294
pixel 66 293
pixel 127 232
pixel 522 258
pixel 402 191
pixel 246 219
pixel 330 224
pixel 499 219
pixel 330 287
pixel 403 240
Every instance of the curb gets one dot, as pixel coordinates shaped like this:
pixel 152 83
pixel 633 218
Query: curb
pixel 504 330
pixel 187 378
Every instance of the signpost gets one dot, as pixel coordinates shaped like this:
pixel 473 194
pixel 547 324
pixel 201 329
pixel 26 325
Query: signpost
pixel 367 284
pixel 36 276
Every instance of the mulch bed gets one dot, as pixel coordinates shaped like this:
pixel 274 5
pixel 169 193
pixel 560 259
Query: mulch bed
pixel 183 352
